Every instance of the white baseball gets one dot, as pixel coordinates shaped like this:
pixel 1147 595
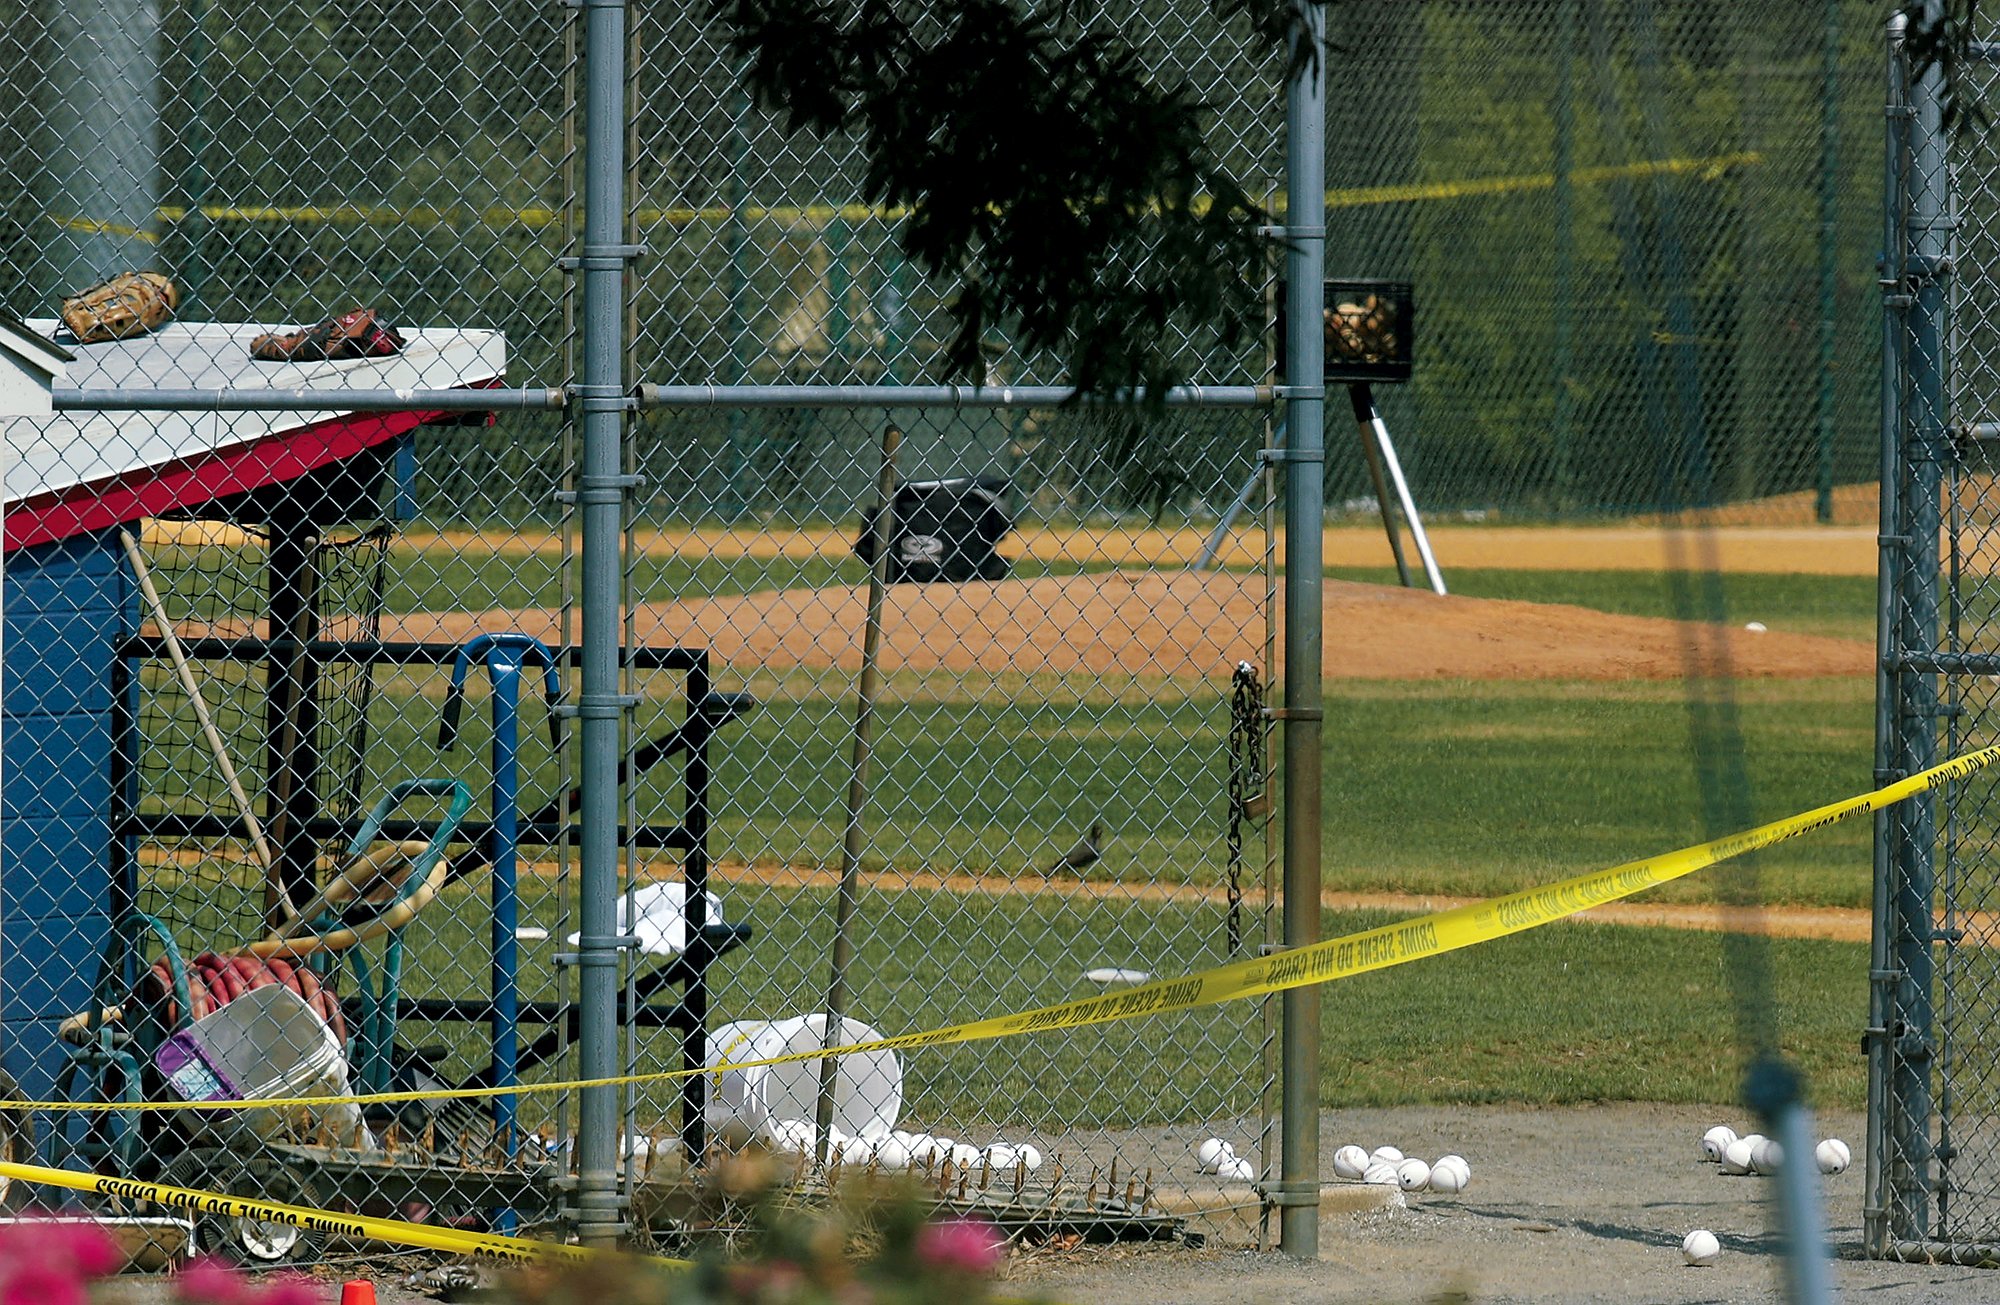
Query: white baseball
pixel 1833 1155
pixel 892 1153
pixel 793 1136
pixel 1457 1164
pixel 1700 1247
pixel 1237 1170
pixel 1381 1172
pixel 1413 1175
pixel 1767 1156
pixel 1448 1179
pixel 1211 1154
pixel 964 1157
pixel 1753 1139
pixel 1754 627
pixel 1001 1156
pixel 854 1150
pixel 1386 1153
pixel 1736 1157
pixel 1350 1162
pixel 1031 1156
pixel 1715 1141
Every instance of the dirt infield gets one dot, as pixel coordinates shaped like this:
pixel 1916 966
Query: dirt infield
pixel 1793 548
pixel 1188 624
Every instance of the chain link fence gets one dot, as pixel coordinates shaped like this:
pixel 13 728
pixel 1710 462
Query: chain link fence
pixel 1532 169
pixel 293 794
pixel 309 731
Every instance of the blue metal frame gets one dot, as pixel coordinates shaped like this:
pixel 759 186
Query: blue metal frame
pixel 505 657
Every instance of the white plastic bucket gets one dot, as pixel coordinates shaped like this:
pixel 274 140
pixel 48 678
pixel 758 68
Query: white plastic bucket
pixel 266 1043
pixel 867 1087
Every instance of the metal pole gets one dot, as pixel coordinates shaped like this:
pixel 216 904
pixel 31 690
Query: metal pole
pixel 880 531
pixel 1565 271
pixel 1213 547
pixel 1877 1233
pixel 1927 445
pixel 737 464
pixel 330 402
pixel 1371 455
pixel 504 664
pixel 650 395
pixel 1773 1090
pixel 1829 256
pixel 302 399
pixel 1305 519
pixel 601 706
pixel 1377 433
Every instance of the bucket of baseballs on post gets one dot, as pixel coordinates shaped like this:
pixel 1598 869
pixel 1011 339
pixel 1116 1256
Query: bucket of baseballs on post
pixel 867 1089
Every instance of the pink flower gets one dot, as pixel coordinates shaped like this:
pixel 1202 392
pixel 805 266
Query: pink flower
pixel 206 1280
pixel 76 1244
pixel 93 1252
pixel 961 1246
pixel 20 1241
pixel 29 1283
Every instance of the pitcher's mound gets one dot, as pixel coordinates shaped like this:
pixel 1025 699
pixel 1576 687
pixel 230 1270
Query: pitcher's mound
pixel 1186 624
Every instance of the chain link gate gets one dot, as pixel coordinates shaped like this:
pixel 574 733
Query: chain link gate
pixel 1934 1154
pixel 305 812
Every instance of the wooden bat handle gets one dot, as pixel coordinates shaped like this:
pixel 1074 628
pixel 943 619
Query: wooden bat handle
pixel 193 689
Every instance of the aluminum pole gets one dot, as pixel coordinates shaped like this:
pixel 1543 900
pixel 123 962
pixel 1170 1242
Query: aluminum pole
pixel 601 398
pixel 1926 445
pixel 1877 1200
pixel 1305 517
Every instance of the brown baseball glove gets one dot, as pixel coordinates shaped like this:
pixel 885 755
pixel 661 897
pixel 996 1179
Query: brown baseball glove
pixel 129 304
pixel 359 334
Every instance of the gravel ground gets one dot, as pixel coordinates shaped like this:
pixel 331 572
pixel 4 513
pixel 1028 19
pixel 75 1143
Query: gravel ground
pixel 1571 1204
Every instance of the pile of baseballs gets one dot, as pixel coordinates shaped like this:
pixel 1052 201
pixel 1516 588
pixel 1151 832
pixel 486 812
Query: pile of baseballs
pixel 1388 1166
pixel 1753 1153
pixel 899 1150
pixel 1218 1157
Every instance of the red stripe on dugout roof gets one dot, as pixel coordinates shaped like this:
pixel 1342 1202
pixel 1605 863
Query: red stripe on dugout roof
pixel 87 470
pixel 191 482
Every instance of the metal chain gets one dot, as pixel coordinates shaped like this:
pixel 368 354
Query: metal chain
pixel 1246 780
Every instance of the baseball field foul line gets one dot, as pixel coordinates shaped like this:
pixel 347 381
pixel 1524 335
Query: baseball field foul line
pixel 1322 962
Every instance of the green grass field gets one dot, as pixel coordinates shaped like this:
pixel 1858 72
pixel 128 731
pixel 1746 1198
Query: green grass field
pixel 1463 788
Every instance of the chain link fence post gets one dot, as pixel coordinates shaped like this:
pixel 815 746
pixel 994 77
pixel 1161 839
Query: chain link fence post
pixel 602 485
pixel 1305 515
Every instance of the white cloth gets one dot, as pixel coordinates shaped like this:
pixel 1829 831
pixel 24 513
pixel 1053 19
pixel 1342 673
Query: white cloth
pixel 661 927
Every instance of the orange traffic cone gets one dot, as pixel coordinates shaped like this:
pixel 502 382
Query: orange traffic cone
pixel 357 1291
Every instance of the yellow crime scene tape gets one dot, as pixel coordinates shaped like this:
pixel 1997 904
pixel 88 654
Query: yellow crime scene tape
pixel 1707 168
pixel 516 1250
pixel 1322 962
